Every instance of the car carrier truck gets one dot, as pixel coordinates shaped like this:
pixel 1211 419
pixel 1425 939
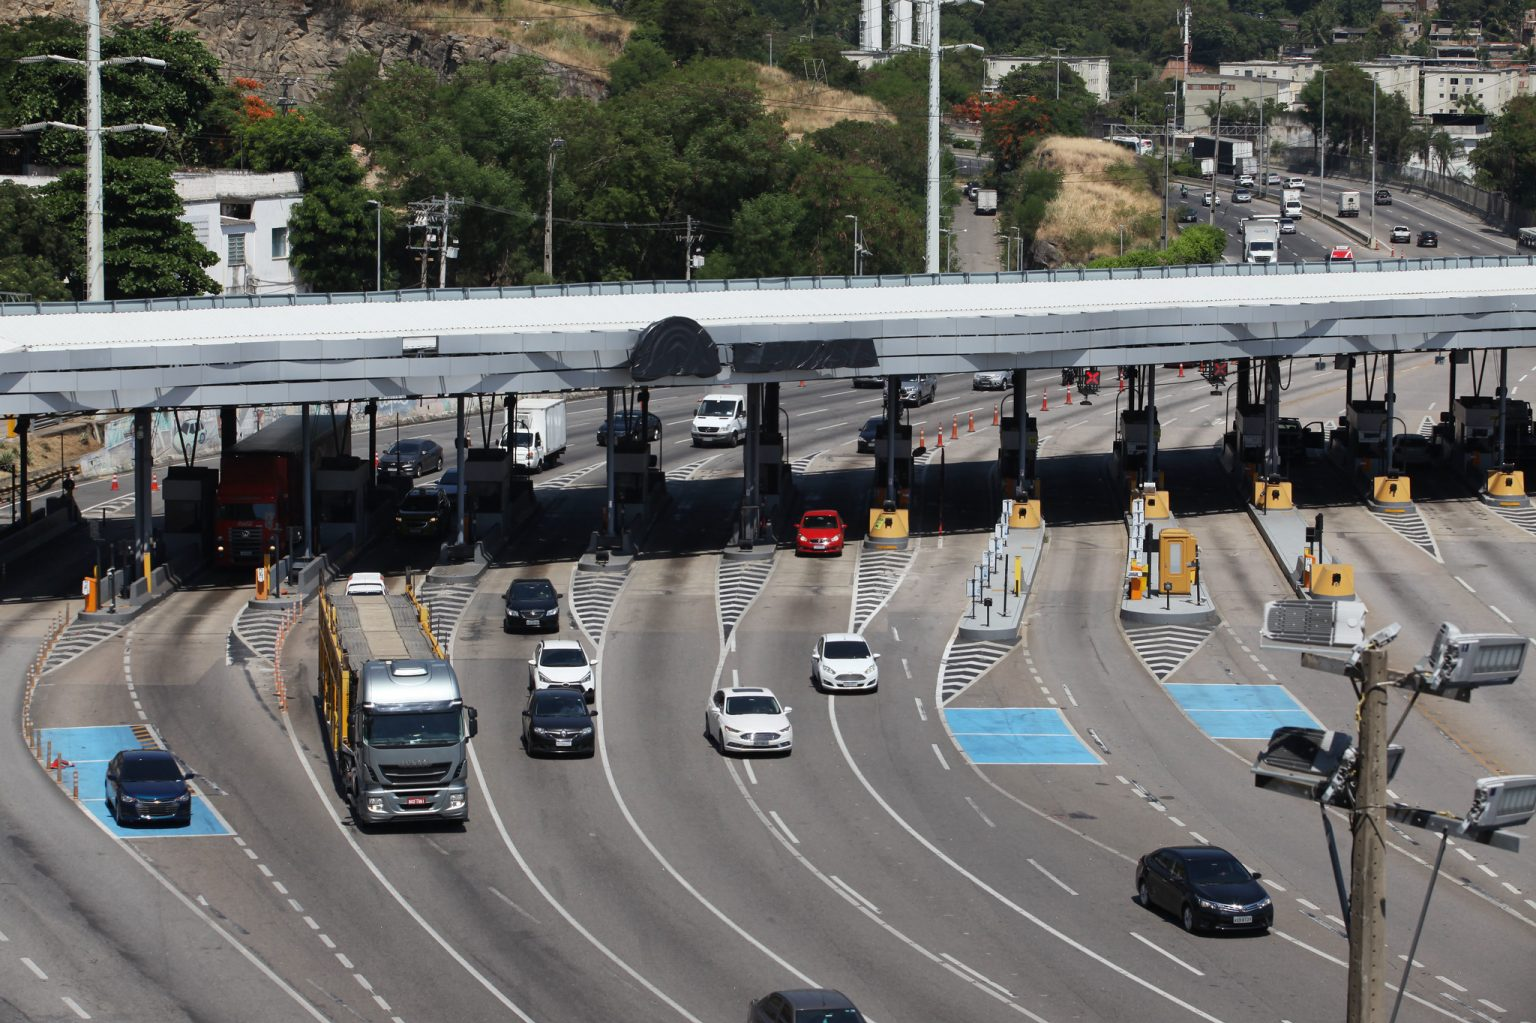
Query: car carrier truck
pixel 394 719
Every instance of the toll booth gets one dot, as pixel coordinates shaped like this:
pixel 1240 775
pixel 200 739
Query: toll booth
pixel 1476 424
pixel 1011 445
pixel 1137 428
pixel 190 493
pixel 771 476
pixel 1365 427
pixel 492 491
pixel 1247 436
pixel 341 502
pixel 635 470
pixel 1176 561
pixel 896 446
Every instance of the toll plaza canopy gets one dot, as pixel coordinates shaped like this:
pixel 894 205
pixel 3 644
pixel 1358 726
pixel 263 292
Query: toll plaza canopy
pixel 245 350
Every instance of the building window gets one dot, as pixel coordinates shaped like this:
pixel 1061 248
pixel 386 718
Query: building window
pixel 279 243
pixel 236 250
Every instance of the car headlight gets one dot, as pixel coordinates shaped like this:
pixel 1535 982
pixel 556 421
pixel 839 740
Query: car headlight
pixel 540 731
pixel 185 797
pixel 551 612
pixel 733 731
pixel 123 797
pixel 584 733
pixel 1207 903
pixel 1263 903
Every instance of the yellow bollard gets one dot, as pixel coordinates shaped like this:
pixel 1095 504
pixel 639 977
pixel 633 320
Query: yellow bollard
pixel 148 573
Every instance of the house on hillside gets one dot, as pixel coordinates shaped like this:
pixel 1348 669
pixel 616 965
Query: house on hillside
pixel 243 219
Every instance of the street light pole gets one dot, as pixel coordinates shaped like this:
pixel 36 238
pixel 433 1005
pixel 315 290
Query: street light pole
pixel 931 246
pixel 1373 163
pixel 1322 143
pixel 1221 91
pixel 378 244
pixel 549 210
pixel 858 249
pixel 1058 50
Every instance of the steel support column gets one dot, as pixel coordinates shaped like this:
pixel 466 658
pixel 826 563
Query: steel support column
pixel 459 445
pixel 143 470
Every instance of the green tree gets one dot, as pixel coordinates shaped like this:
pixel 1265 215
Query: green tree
pixel 34 257
pixel 150 252
pixel 643 60
pixel 1065 100
pixel 1507 158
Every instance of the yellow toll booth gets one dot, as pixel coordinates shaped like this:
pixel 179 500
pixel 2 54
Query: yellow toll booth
pixel 1176 560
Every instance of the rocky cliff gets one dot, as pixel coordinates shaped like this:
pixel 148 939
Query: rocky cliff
pixel 301 44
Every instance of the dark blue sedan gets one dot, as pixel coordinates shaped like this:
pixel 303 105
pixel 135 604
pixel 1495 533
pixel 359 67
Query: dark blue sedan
pixel 149 786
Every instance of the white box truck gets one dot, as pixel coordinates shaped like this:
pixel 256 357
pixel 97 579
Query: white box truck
pixel 1261 241
pixel 1349 204
pixel 986 201
pixel 536 435
pixel 1290 203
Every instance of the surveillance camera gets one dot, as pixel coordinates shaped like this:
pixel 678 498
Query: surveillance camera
pixel 1381 637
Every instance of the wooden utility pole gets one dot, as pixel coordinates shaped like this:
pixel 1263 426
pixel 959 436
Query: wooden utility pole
pixel 1368 877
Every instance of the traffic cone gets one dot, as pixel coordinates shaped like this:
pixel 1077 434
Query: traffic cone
pixel 1069 396
pixel 802 383
pixel 114 481
pixel 941 437
pixel 972 427
pixel 922 439
pixel 994 415
pixel 1045 403
pixel 1122 381
pixel 954 427
pixel 1181 371
pixel 154 482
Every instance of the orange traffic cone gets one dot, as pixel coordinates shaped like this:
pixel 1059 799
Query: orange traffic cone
pixel 972 427
pixel 941 437
pixel 114 481
pixel 922 439
pixel 994 415
pixel 1122 381
pixel 154 482
pixel 1069 396
pixel 1045 402
pixel 1181 370
pixel 954 427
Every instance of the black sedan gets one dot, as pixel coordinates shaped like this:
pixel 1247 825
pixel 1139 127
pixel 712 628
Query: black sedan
pixel 425 511
pixel 1429 240
pixel 411 458
pixel 558 721
pixel 627 423
pixel 1207 887
pixel 149 786
pixel 867 434
pixel 532 604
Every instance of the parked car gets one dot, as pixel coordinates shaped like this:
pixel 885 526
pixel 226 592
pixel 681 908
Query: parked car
pixel 1242 195
pixel 531 604
pixel 1341 254
pixel 425 511
pixel 562 664
pixel 627 423
pixel 1287 225
pixel 1383 197
pixel 1429 240
pixel 411 458
pixel 844 661
pixel 811 1005
pixel 557 722
pixel 1187 215
pixel 748 719
pixel 1410 449
pixel 1402 234
pixel 148 785
pixel 820 532
pixel 1205 886
pixel 867 434
pixel 991 380
pixel 920 389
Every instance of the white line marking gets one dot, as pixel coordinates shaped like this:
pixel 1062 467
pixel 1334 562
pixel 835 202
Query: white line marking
pixel 294 904
pixel 3 938
pixel 905 668
pixel 977 974
pixel 1393 795
pixel 325 939
pixel 381 1002
pixel 1309 905
pixel 1164 952
pixel 34 968
pixel 311 922
pixel 1490 1005
pixel 346 963
pixel 1276 887
pixel 1507 620
pixel 265 870
pixel 1450 984
pixel 735 678
pixel 1122 779
pixel 363 981
pixel 514 905
pixel 1059 882
pixel 942 762
pixel 922 715
pixel 1175 821
pixel 1512 889
pixel 983 816
pixel 751 775
pixel 895 635
pixel 1485 870
pixel 1199 838
pixel 783 827
pixel 75 1006
pixel 1466 854
pixel 1068 690
pixel 1465 585
pixel 861 900
pixel 1337 922
pixel 278 885
pixel 250 854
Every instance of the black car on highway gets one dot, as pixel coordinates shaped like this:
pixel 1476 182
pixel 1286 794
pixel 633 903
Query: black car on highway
pixel 531 604
pixel 1205 887
pixel 558 722
pixel 148 786
pixel 805 1005
pixel 867 434
pixel 411 458
pixel 1429 240
pixel 425 511
pixel 627 423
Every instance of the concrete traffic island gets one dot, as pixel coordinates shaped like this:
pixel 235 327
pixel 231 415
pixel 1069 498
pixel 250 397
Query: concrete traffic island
pixel 1162 567
pixel 998 589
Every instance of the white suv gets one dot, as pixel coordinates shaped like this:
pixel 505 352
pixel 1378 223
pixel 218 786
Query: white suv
pixel 562 664
pixel 1245 180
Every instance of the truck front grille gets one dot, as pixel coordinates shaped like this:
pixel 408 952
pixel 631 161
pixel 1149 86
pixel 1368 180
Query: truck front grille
pixel 415 774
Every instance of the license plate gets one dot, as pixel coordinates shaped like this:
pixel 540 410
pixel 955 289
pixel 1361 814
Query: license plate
pixel 563 742
pixel 1245 919
pixel 415 800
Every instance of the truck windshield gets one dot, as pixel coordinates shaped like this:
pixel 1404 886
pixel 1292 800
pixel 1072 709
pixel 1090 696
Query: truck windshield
pixel 427 728
pixel 716 409
pixel 246 511
pixel 522 439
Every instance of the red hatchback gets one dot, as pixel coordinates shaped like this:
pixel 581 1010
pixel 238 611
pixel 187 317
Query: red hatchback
pixel 820 532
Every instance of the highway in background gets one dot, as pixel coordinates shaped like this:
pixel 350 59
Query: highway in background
pixel 659 881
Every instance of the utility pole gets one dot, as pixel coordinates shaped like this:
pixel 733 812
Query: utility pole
pixel 1221 90
pixel 1373 163
pixel 442 245
pixel 1058 50
pixel 1322 143
pixel 1368 868
pixel 688 249
pixel 1170 110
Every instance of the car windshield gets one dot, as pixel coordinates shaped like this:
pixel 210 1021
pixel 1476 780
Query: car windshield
pixel 911 381
pixel 873 424
pixel 150 769
pixel 752 705
pixel 716 408
pixel 422 728
pixel 530 589
pixel 563 657
pixel 419 503
pixel 820 522
pixel 407 447
pixel 847 649
pixel 247 511
pixel 1218 872
pixel 559 703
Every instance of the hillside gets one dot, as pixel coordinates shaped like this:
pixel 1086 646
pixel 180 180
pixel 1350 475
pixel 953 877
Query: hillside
pixel 1102 190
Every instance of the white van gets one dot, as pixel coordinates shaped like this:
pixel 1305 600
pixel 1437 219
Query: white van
pixel 1293 209
pixel 720 419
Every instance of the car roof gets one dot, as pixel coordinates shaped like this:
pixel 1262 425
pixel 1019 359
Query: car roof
pixel 561 644
pixel 816 998
pixel 820 511
pixel 147 754
pixel 1198 852
pixel 746 691
pixel 365 583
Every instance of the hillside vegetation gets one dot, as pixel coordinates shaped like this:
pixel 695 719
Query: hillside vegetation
pixel 1102 189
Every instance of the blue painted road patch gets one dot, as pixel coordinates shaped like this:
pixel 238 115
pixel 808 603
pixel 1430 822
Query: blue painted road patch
pixel 1239 712
pixel 1017 735
pixel 87 750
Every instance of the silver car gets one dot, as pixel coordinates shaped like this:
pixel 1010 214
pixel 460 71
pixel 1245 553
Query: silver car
pixel 991 380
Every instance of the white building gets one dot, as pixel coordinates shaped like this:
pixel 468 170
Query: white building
pixel 1447 89
pixel 1094 71
pixel 243 219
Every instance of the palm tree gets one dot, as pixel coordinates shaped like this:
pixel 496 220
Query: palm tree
pixel 1444 148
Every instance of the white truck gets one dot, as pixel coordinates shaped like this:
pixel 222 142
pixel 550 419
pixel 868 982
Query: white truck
pixel 1290 203
pixel 1261 241
pixel 536 434
pixel 1349 204
pixel 986 201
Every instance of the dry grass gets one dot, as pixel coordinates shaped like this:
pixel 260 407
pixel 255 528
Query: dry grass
pixel 806 107
pixel 572 32
pixel 1099 193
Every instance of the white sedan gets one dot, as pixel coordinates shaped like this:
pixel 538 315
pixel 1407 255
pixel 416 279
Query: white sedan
pixel 748 719
pixel 562 664
pixel 843 660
